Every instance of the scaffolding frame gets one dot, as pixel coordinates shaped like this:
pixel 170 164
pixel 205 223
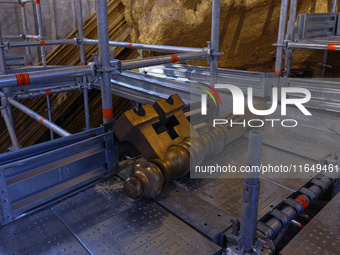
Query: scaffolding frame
pixel 287 42
pixel 83 77
pixel 98 149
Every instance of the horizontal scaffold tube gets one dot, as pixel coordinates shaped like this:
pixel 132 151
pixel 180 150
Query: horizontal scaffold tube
pixel 45 76
pixel 153 61
pixel 39 118
pixel 32 94
pixel 9 1
pixel 37 37
pixel 151 47
pixel 40 43
pixel 314 46
pixel 12 37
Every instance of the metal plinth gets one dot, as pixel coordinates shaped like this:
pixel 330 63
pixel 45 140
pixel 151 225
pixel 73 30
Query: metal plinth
pixel 40 174
pixel 226 194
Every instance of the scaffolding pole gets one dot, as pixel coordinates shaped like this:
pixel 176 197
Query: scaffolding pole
pixel 281 36
pixel 289 36
pixel 45 76
pixel 326 53
pixel 311 46
pixel 8 1
pixel 25 31
pixel 47 42
pixel 36 37
pixel 104 58
pixel 83 62
pixel 58 130
pixel 12 36
pixel 2 57
pixel 41 35
pixel 251 192
pixel 43 59
pixel 152 61
pixel 215 35
pixel 151 47
pixel 6 109
pixel 28 95
pixel 8 122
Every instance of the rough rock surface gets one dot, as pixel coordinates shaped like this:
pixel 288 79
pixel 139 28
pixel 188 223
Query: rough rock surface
pixel 247 31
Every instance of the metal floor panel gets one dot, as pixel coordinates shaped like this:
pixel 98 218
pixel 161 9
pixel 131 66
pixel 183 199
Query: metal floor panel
pixel 108 222
pixel 321 235
pixel 198 213
pixel 41 233
pixel 226 194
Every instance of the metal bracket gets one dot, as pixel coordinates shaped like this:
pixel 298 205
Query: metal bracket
pixel 78 40
pixel 5 45
pixel 117 66
pixel 49 109
pixel 217 53
pixel 4 103
pixel 284 44
pixel 79 80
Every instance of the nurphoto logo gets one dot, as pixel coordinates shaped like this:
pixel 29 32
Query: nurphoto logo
pixel 301 97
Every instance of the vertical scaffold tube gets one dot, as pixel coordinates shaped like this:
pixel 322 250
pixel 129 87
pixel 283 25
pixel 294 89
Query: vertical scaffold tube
pixel 290 31
pixel 281 36
pixel 24 26
pixel 43 58
pixel 104 58
pixel 6 110
pixel 215 34
pixel 325 55
pixel 251 192
pixel 41 35
pixel 83 62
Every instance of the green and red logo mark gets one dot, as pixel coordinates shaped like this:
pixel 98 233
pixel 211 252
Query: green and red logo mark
pixel 211 92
